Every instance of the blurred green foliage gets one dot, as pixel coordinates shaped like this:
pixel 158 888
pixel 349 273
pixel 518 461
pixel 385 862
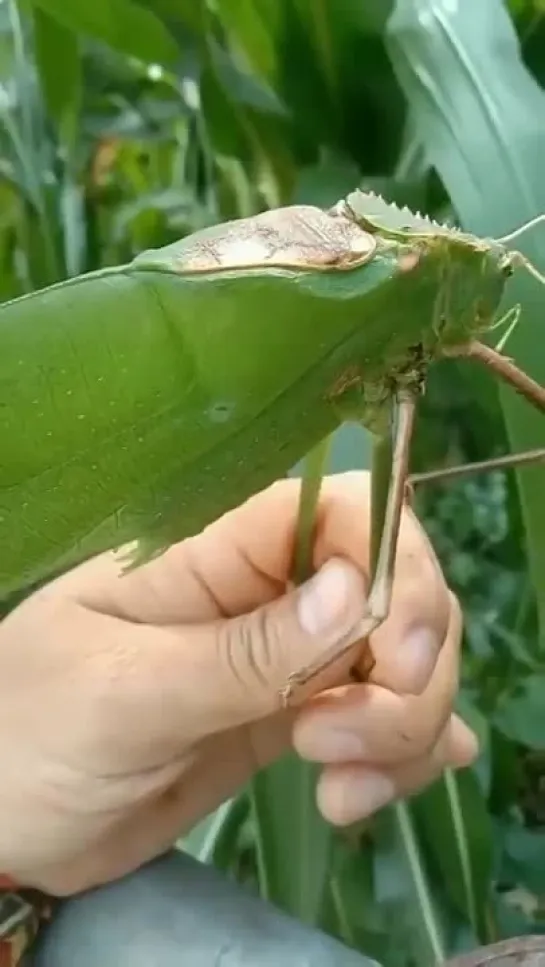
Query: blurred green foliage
pixel 128 123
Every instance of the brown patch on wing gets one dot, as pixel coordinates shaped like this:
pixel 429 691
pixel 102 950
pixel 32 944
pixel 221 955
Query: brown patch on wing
pixel 297 237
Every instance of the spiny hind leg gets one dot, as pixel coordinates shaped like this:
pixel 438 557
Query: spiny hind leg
pixel 504 368
pixel 380 594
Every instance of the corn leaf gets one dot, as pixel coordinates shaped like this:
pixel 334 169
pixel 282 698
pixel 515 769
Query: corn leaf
pixel 125 26
pixel 479 115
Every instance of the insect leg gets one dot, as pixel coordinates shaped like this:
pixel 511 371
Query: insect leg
pixel 380 594
pixel 524 459
pixel 505 369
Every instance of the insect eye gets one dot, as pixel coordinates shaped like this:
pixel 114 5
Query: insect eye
pixel 507 268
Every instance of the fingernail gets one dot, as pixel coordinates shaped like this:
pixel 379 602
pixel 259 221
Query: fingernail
pixel 366 792
pixel 330 598
pixel 419 651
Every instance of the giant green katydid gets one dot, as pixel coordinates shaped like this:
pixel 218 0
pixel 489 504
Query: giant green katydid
pixel 140 402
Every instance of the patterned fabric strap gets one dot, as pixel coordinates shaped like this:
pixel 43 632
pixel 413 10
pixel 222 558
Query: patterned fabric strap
pixel 22 912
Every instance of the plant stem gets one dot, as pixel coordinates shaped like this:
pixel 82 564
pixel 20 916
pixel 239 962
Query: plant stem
pixel 311 483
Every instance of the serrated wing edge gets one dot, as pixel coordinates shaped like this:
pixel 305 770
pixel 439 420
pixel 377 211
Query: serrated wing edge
pixel 378 212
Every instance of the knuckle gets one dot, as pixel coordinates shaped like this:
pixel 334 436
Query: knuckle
pixel 417 742
pixel 417 563
pixel 419 777
pixel 423 728
pixel 440 719
pixel 418 574
pixel 439 754
pixel 414 535
pixel 249 646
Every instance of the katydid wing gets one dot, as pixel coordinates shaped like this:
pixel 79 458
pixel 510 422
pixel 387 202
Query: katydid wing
pixel 141 402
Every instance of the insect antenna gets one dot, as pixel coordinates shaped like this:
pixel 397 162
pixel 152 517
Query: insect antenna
pixel 522 229
pixel 517 258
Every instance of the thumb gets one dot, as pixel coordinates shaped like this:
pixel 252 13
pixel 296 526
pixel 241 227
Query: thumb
pixel 241 666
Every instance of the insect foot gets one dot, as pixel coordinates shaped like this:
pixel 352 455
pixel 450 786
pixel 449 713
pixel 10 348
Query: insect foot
pixel 316 672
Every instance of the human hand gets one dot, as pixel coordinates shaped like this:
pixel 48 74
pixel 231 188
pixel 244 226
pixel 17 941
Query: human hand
pixel 131 706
